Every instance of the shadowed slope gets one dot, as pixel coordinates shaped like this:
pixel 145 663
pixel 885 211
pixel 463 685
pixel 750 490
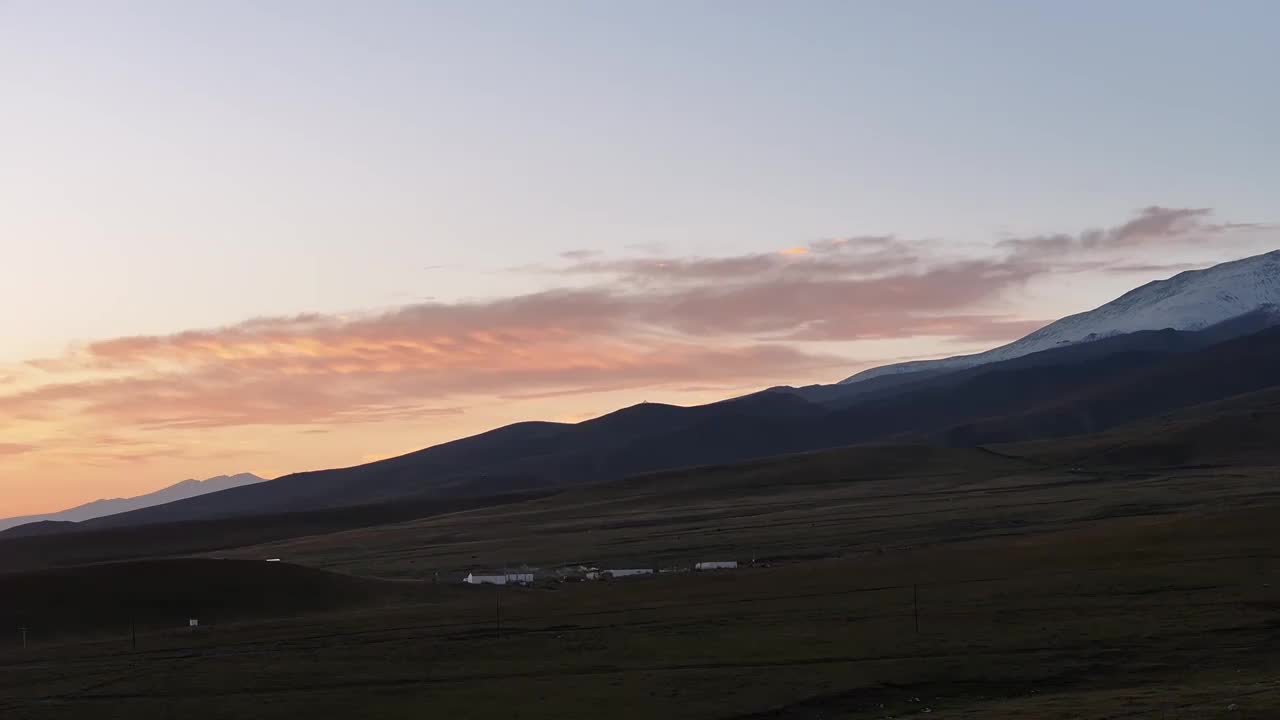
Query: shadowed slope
pixel 1073 390
pixel 167 592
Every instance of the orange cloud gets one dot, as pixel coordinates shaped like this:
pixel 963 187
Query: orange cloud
pixel 15 448
pixel 664 321
pixel 414 363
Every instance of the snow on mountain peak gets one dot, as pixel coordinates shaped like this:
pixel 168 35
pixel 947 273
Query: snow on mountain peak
pixel 1192 300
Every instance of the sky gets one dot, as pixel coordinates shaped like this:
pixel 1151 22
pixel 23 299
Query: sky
pixel 280 236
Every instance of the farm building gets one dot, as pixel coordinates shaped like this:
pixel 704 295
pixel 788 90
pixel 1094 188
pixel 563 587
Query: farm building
pixel 628 572
pixel 577 573
pixel 717 565
pixel 517 578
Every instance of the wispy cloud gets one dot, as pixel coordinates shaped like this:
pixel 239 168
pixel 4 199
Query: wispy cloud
pixel 657 320
pixel 1152 226
pixel 100 450
pixel 1153 268
pixel 408 364
pixel 860 256
pixel 16 448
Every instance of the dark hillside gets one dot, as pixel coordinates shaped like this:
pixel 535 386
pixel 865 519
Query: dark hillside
pixel 78 544
pixel 1220 371
pixel 1067 391
pixel 1240 431
pixel 166 593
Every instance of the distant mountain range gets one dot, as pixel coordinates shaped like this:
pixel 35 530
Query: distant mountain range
pixel 101 508
pixel 1196 338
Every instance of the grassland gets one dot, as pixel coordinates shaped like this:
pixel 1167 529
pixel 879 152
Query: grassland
pixel 892 583
pixel 823 505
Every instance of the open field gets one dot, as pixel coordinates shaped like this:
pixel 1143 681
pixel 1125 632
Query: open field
pixel 114 544
pixel 1148 617
pixel 822 505
pixel 1044 589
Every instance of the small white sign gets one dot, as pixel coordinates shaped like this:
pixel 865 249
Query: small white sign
pixel 193 622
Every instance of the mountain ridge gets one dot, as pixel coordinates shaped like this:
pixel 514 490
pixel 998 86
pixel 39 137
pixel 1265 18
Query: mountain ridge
pixel 1094 382
pixel 1191 300
pixel 964 408
pixel 104 507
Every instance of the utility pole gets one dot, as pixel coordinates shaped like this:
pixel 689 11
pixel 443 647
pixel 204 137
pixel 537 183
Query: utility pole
pixel 24 638
pixel 915 606
pixel 497 610
pixel 133 632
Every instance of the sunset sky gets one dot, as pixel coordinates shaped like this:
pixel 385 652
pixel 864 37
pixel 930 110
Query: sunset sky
pixel 279 236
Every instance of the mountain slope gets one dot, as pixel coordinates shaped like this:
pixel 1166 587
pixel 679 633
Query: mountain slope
pixel 1221 371
pixel 1192 300
pixel 1241 430
pixel 1057 392
pixel 102 508
pixel 1085 373
pixel 524 456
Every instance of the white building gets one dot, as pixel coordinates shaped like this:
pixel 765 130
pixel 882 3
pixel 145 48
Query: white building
pixel 627 572
pixel 518 578
pixel 578 572
pixel 717 565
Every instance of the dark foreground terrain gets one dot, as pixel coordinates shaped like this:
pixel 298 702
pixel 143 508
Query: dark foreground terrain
pixel 1130 575
pixel 1166 617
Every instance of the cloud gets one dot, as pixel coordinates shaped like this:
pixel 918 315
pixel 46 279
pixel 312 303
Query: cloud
pixel 844 257
pixel 405 365
pixel 423 360
pixel 108 450
pixel 638 322
pixel 1153 268
pixel 964 328
pixel 1154 225
pixel 15 448
pixel 99 450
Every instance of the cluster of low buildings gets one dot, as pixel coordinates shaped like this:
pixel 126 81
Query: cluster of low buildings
pixel 579 573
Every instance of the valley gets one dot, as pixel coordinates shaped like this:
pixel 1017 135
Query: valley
pixel 1059 579
pixel 1169 616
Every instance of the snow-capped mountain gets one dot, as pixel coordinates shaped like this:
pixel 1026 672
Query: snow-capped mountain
pixel 1192 300
pixel 102 508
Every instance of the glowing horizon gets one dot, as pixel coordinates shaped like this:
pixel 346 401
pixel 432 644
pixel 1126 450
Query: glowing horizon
pixel 241 238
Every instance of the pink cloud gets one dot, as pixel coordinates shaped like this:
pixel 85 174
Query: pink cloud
pixel 652 321
pixel 16 448
pixel 397 366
